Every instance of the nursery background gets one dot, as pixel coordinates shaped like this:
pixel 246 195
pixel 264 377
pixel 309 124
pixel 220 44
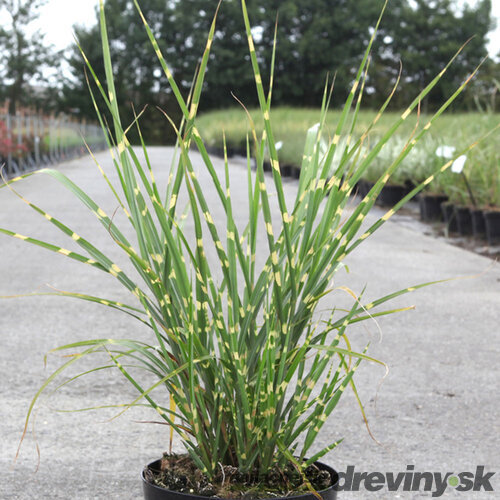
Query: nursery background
pixel 439 354
pixel 315 39
pixel 47 106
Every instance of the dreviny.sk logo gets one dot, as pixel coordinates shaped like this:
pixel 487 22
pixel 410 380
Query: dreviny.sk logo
pixel 411 480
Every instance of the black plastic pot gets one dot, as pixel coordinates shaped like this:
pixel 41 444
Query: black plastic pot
pixel 238 151
pixel 464 220
pixel 215 151
pixel 153 492
pixel 286 170
pixel 492 220
pixel 449 217
pixel 391 194
pixel 360 188
pixel 430 207
pixel 295 172
pixel 364 187
pixel 478 223
pixel 267 166
pixel 410 186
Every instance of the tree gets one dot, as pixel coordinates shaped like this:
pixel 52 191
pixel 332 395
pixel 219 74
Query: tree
pixel 26 59
pixel 424 35
pixel 483 93
pixel 181 29
pixel 229 71
pixel 138 80
pixel 315 38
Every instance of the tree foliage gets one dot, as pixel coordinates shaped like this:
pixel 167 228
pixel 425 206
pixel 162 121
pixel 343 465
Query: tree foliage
pixel 129 46
pixel 26 58
pixel 424 35
pixel 315 38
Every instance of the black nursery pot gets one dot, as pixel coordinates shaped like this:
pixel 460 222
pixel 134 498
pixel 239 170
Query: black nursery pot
pixel 286 170
pixel 430 207
pixel 364 187
pixel 295 172
pixel 464 220
pixel 361 188
pixel 216 151
pixel 492 220
pixel 449 217
pixel 478 223
pixel 153 492
pixel 391 194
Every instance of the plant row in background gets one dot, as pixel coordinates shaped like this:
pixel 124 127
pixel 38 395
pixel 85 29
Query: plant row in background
pixel 30 140
pixel 470 198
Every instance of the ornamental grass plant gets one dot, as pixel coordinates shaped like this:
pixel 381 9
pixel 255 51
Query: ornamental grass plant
pixel 245 372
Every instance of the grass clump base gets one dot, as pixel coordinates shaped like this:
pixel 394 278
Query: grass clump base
pixel 180 473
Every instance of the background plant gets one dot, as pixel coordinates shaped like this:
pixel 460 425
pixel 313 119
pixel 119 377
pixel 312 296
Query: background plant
pixel 243 370
pixel 387 156
pixel 483 172
pixel 290 126
pixel 9 146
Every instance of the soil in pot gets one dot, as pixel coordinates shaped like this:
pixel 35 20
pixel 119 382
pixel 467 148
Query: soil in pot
pixel 492 220
pixel 478 223
pixel 430 207
pixel 449 217
pixel 464 220
pixel 174 474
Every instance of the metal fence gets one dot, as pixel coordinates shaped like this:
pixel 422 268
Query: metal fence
pixel 30 140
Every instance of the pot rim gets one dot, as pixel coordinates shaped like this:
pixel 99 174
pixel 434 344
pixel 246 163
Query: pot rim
pixel 333 473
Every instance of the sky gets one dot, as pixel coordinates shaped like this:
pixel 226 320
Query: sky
pixel 58 17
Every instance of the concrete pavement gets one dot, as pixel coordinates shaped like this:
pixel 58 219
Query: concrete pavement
pixel 438 409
